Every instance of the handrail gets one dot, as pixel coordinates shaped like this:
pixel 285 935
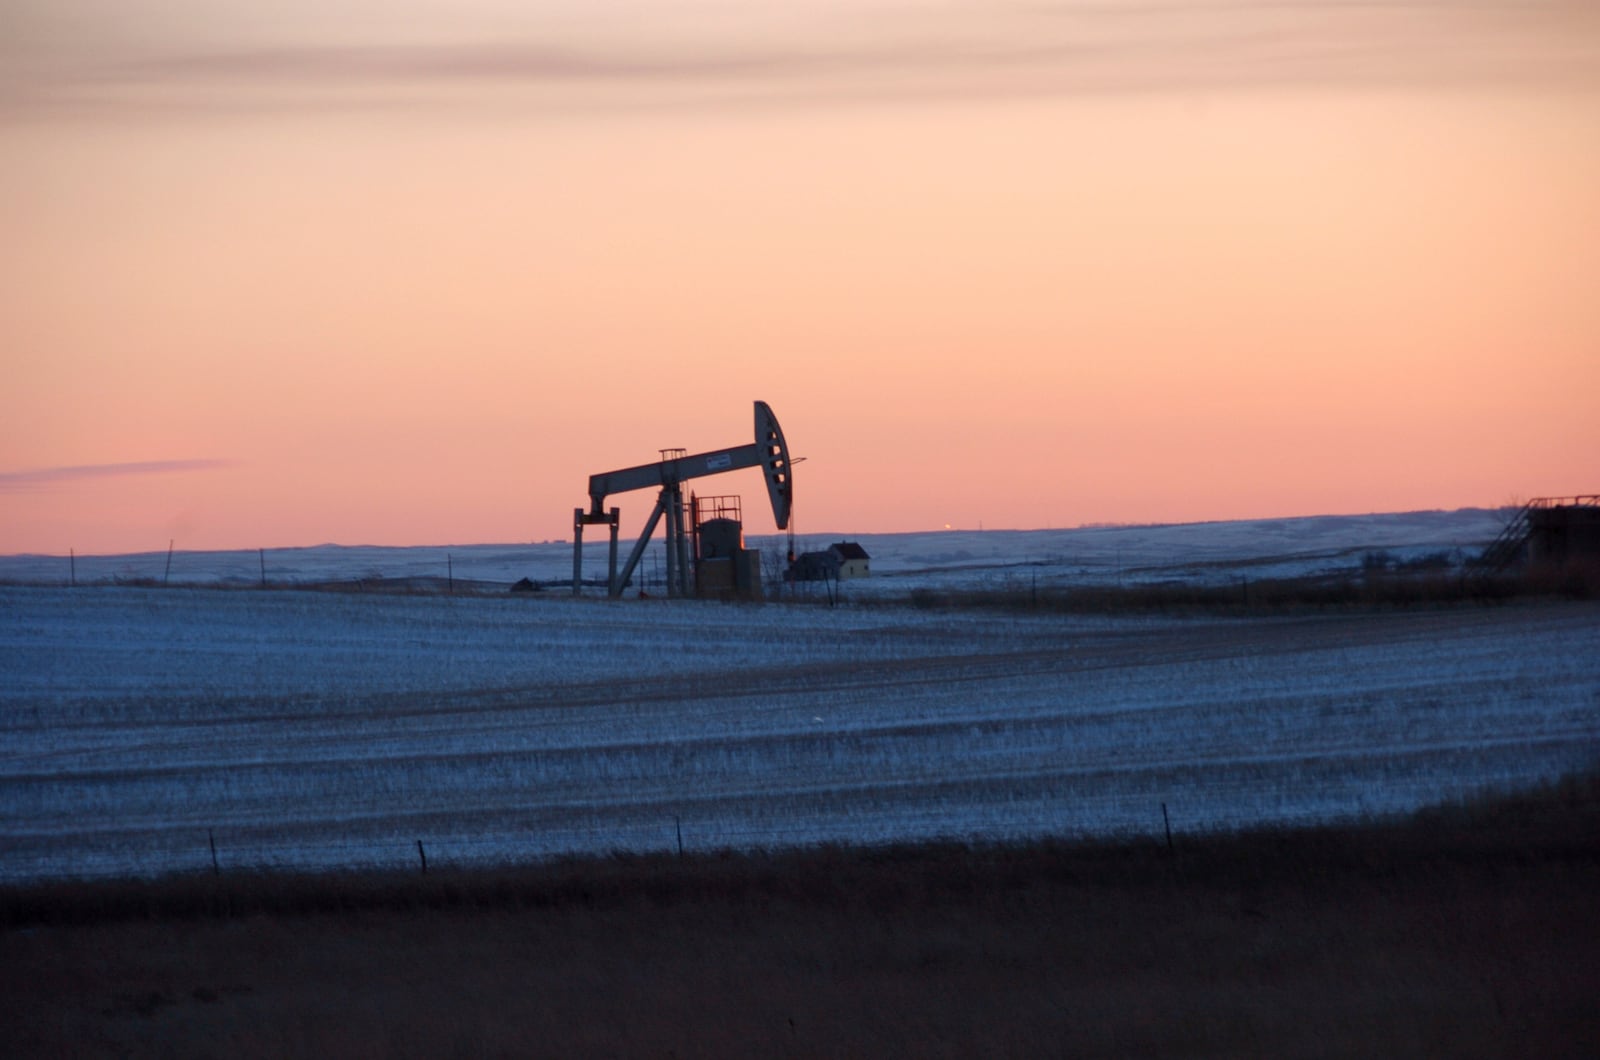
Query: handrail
pixel 1582 500
pixel 1504 548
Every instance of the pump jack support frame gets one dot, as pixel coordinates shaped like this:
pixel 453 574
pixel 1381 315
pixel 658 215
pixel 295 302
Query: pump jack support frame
pixel 769 452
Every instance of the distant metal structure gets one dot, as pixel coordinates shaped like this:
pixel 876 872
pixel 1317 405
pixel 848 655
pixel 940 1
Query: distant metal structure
pixel 769 452
pixel 1547 530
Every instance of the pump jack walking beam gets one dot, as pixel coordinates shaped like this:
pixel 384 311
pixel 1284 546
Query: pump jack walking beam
pixel 769 452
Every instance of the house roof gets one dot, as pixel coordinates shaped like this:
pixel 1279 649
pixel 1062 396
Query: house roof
pixel 850 550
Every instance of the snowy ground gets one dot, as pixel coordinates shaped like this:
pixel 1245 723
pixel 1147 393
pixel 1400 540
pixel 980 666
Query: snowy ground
pixel 1193 552
pixel 304 728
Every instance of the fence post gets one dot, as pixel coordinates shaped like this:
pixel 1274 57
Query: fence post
pixel 1168 822
pixel 424 856
pixel 678 823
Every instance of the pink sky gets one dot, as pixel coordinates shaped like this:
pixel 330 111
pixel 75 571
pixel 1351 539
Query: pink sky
pixel 407 273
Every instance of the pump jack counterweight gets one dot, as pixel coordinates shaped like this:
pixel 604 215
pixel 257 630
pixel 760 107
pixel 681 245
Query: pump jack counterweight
pixel 769 452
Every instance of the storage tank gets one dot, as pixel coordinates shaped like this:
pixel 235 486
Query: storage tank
pixel 721 539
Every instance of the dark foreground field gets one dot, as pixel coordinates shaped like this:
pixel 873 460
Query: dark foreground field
pixel 1465 932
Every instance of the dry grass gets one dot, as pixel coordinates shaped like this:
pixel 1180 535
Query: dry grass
pixel 1470 931
pixel 1374 589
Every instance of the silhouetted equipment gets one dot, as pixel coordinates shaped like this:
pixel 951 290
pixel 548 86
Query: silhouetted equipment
pixel 723 567
pixel 1548 531
pixel 684 528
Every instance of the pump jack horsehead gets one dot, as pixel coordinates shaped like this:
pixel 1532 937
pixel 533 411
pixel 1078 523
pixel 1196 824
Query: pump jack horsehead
pixel 769 452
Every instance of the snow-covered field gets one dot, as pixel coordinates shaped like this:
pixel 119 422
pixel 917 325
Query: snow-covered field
pixel 308 728
pixel 1190 552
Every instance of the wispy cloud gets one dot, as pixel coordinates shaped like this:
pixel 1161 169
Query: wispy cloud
pixel 873 51
pixel 47 478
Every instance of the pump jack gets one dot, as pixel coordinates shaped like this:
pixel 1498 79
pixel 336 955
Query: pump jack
pixel 769 452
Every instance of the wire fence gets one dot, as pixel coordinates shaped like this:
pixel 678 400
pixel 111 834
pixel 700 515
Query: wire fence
pixel 224 851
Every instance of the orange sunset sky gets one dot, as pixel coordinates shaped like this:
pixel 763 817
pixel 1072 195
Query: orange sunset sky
pixel 407 272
